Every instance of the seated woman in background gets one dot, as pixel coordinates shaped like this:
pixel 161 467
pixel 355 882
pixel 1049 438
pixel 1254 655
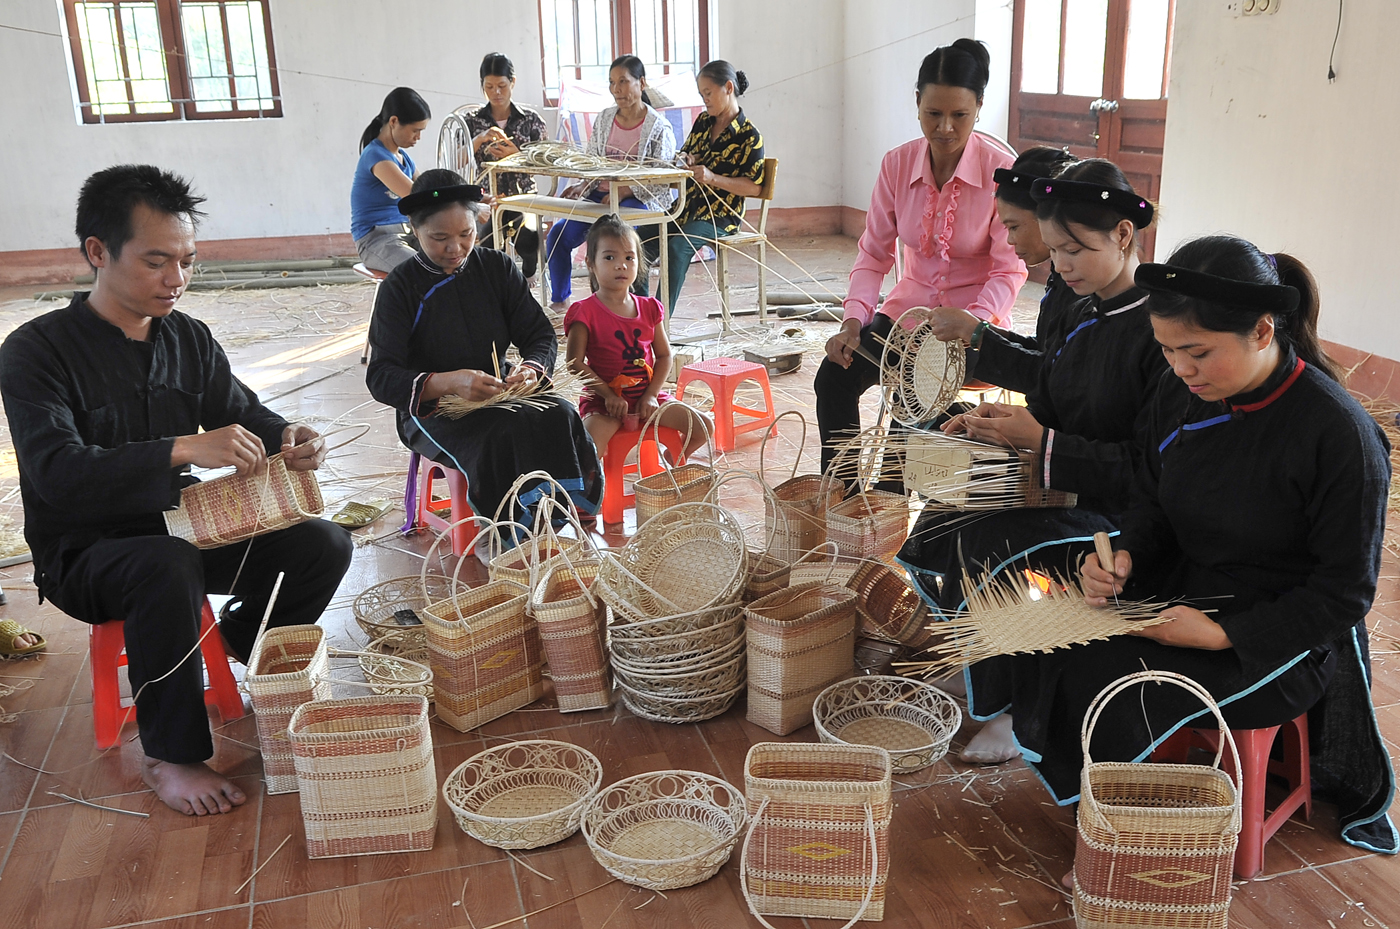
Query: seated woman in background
pixel 498 130
pixel 1095 374
pixel 385 173
pixel 934 196
pixel 1262 498
pixel 441 322
pixel 629 131
pixel 1000 356
pixel 724 153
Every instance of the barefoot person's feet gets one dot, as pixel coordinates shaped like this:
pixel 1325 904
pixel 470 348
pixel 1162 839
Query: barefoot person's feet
pixel 1067 882
pixel 192 789
pixel 993 744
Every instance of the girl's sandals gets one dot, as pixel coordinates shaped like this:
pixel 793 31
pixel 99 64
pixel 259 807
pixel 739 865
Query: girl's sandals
pixel 9 632
pixel 357 515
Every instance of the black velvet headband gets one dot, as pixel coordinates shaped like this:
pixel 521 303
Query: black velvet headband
pixel 1122 201
pixel 1279 299
pixel 457 193
pixel 1010 177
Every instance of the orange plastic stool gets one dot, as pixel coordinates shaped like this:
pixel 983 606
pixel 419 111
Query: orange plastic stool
pixel 724 375
pixel 107 653
pixel 615 501
pixel 1256 747
pixel 458 507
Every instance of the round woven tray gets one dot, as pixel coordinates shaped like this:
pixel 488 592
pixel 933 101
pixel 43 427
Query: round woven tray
pixel 374 611
pixel 911 720
pixel 665 829
pixel 680 646
pixel 388 670
pixel 692 709
pixel 708 659
pixel 919 374
pixel 708 678
pixel 524 794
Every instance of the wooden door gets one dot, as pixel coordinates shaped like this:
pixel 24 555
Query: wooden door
pixel 1091 76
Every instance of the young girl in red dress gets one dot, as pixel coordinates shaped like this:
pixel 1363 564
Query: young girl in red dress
pixel 615 338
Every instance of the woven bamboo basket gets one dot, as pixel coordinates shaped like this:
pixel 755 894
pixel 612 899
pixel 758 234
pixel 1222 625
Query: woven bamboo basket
pixel 801 500
pixel 290 665
pixel 832 571
pixel 524 794
pixel 721 654
pixel 870 524
pixel 573 626
pixel 800 640
pixel 389 671
pixel 237 507
pixel 954 472
pixel 724 626
pixel 690 557
pixel 1156 842
pixel 889 608
pixel 913 721
pixel 376 606
pixel 919 375
pixel 538 549
pixel 684 682
pixel 365 770
pixel 665 829
pixel 692 708
pixel 767 571
pixel 687 483
pixel 819 843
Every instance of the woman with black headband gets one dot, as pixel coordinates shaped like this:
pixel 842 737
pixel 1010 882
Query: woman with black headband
pixel 441 324
pixel 1258 511
pixel 1095 370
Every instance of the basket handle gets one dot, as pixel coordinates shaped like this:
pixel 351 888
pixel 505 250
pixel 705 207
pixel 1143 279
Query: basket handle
pixel 712 497
pixel 874 865
pixel 654 423
pixel 1096 708
pixel 801 445
pixel 487 524
pixel 548 505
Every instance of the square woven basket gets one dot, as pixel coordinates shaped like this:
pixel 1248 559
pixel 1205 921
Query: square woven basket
pixel 290 665
pixel 800 639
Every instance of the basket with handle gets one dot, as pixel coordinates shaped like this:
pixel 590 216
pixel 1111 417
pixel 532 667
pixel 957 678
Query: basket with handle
pixel 800 640
pixel 537 548
pixel 818 843
pixel 768 570
pixel 524 794
pixel 365 770
pixel 802 501
pixel 1156 842
pixel 687 483
pixel 484 650
pixel 573 625
pixel 390 613
pixel 870 523
pixel 289 666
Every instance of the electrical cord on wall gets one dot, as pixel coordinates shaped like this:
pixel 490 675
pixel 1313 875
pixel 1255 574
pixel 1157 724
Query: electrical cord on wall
pixel 1331 72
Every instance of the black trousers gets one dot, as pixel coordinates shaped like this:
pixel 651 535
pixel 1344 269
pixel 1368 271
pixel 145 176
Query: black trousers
pixel 839 389
pixel 527 240
pixel 157 585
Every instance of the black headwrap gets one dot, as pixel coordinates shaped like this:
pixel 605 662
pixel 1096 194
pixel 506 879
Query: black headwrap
pixel 457 193
pixel 1279 299
pixel 1129 204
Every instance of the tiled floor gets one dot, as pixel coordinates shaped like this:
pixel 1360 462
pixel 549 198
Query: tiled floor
pixel 972 847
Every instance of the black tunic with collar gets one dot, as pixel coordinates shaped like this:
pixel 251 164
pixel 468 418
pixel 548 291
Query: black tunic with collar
pixel 94 416
pixel 1098 369
pixel 1011 360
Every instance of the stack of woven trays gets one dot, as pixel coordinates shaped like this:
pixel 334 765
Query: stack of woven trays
pixel 677 637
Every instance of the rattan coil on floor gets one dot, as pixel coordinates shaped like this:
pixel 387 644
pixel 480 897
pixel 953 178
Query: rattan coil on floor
pixel 913 721
pixel 665 829
pixel 524 794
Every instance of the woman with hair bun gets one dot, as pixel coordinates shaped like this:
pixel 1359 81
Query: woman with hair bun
pixel 385 173
pixel 724 153
pixel 934 196
pixel 1259 511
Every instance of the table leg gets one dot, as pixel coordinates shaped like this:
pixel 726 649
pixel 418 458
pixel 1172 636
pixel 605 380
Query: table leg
pixel 665 281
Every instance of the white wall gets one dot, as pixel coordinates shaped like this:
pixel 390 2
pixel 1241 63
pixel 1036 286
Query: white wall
pixel 1259 144
pixel 993 26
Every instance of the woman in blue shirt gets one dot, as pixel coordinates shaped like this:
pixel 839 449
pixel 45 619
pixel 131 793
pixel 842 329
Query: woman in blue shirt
pixel 384 174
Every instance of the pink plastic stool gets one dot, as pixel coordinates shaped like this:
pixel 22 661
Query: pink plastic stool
pixel 724 375
pixel 458 507
pixel 1255 747
pixel 615 501
pixel 107 653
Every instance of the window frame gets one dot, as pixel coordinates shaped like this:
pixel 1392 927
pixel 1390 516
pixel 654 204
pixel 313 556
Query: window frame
pixel 178 82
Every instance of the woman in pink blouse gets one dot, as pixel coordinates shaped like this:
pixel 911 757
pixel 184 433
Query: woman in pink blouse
pixel 935 195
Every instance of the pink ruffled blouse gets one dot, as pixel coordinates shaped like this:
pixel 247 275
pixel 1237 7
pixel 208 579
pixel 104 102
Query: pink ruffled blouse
pixel 955 248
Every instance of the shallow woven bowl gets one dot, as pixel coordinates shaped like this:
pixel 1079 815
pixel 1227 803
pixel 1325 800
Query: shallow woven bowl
pixel 665 829
pixel 710 658
pixel 390 670
pixel 707 679
pixel 692 709
pixel 696 621
pixel 523 794
pixel 374 611
pixel 911 720
pixel 679 647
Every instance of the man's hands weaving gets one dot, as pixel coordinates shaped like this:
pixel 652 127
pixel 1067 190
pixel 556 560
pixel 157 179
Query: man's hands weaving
pixel 303 449
pixel 232 446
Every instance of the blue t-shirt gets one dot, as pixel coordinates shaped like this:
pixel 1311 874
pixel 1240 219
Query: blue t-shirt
pixel 371 203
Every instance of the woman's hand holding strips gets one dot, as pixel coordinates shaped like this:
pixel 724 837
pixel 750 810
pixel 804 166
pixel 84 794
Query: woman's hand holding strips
pixel 1186 627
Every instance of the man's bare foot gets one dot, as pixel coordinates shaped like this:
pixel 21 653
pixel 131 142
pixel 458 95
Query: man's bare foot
pixel 1067 882
pixel 559 306
pixel 193 789
pixel 994 744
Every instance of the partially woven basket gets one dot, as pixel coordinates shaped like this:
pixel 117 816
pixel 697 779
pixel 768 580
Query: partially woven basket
pixel 919 374
pixel 889 607
pixel 665 829
pixel 376 605
pixel 913 721
pixel 687 483
pixel 523 794
pixel 237 507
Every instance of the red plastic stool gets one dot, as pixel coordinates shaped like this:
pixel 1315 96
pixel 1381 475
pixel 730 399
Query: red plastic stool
pixel 648 463
pixel 107 653
pixel 1255 746
pixel 724 375
pixel 458 507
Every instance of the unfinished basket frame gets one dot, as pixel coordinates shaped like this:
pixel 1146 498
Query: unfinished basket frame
pixel 920 375
pixel 913 721
pixel 237 507
pixel 524 794
pixel 959 473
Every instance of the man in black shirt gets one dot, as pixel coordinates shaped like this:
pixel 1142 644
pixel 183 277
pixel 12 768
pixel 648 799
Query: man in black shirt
pixel 110 400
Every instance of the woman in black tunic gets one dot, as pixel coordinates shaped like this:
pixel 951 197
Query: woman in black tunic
pixel 1262 497
pixel 1095 370
pixel 441 323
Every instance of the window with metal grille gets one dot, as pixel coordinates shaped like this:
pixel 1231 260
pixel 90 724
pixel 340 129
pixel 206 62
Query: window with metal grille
pixel 141 60
pixel 580 38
